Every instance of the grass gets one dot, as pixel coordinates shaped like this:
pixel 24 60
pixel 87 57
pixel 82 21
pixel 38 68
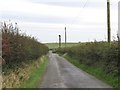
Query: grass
pixel 95 71
pixel 36 75
pixel 56 45
pixel 28 75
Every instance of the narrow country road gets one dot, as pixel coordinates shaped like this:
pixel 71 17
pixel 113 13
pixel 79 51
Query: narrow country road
pixel 62 74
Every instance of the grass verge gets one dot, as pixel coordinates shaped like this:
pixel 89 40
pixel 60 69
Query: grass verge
pixel 96 71
pixel 36 74
pixel 27 75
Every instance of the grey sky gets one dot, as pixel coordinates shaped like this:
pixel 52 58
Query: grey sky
pixel 86 20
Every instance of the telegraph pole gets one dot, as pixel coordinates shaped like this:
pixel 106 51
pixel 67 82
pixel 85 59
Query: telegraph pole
pixel 59 41
pixel 118 35
pixel 108 21
pixel 65 37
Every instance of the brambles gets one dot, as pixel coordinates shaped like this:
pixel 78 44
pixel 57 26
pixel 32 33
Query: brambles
pixel 18 48
pixel 96 54
pixel 27 75
pixel 19 53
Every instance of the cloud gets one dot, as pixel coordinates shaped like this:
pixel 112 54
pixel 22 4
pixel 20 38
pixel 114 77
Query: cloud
pixel 76 3
pixel 43 18
pixel 36 18
pixel 46 32
pixel 85 4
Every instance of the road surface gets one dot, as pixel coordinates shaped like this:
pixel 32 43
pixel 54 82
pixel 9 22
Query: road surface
pixel 62 74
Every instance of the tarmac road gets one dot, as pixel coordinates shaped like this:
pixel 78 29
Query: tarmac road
pixel 62 74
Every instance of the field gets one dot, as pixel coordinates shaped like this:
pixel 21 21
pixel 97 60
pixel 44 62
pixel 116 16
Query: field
pixel 56 45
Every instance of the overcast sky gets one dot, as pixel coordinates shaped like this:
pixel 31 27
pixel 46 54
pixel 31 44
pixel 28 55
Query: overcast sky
pixel 85 20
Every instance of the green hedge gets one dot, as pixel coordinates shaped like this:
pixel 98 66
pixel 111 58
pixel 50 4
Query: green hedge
pixel 18 48
pixel 96 54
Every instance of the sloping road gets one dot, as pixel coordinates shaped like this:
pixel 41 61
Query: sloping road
pixel 62 74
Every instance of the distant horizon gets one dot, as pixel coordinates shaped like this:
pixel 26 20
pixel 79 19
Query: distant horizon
pixel 73 42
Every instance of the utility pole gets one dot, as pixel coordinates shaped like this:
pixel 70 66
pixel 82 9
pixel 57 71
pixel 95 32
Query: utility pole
pixel 118 35
pixel 59 41
pixel 108 21
pixel 65 37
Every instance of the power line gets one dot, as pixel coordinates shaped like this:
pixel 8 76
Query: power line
pixel 84 5
pixel 115 2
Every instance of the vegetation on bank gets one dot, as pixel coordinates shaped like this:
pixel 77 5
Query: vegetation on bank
pixel 36 74
pixel 28 76
pixel 98 72
pixel 97 55
pixel 18 48
pixel 18 51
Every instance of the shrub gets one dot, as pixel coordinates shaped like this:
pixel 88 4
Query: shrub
pixel 17 47
pixel 96 54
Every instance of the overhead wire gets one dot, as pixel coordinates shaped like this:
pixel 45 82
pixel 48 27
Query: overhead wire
pixel 83 6
pixel 80 11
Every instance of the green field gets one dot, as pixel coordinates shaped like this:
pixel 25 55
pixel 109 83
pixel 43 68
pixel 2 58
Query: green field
pixel 56 45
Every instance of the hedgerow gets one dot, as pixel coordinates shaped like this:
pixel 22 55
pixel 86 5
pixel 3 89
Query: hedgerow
pixel 97 54
pixel 18 48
